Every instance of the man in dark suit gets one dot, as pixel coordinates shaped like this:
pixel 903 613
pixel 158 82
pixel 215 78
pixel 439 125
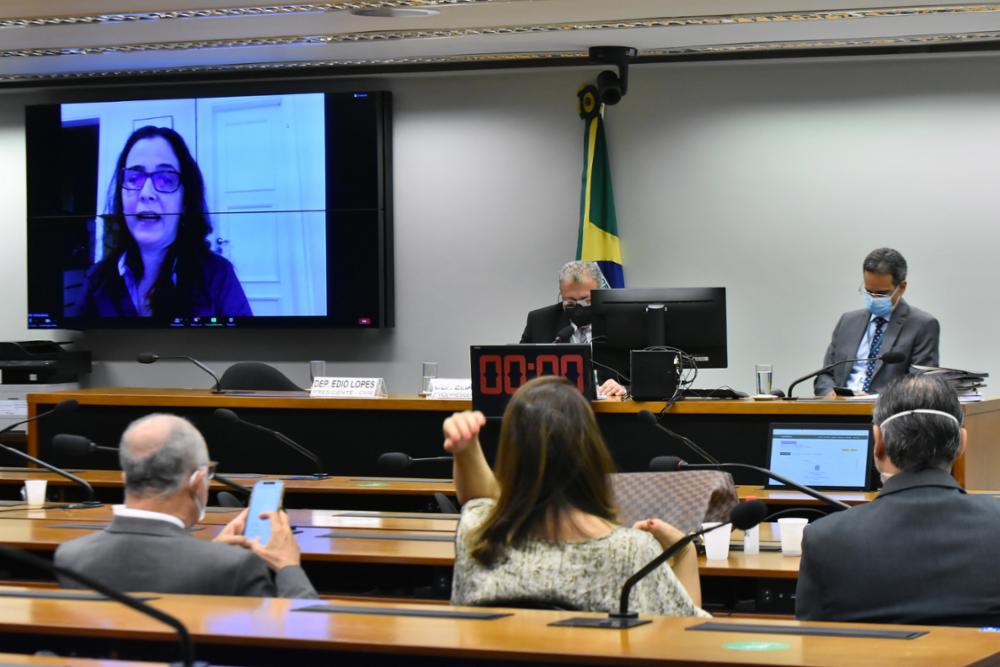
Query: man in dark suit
pixel 569 320
pixel 149 546
pixel 923 551
pixel 886 324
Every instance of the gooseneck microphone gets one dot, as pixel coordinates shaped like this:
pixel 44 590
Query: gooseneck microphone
pixel 672 463
pixel 231 417
pixel 36 563
pixel 743 516
pixel 63 407
pixel 78 445
pixel 564 334
pixel 651 419
pixel 152 358
pixel 887 358
pixel 398 461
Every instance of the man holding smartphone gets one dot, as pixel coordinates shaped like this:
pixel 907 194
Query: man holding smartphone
pixel 886 324
pixel 149 546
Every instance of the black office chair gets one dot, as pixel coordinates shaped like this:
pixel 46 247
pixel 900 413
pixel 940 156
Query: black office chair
pixel 255 376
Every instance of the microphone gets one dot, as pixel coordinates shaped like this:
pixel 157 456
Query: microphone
pixel 672 463
pixel 231 417
pixel 78 445
pixel 743 516
pixel 152 358
pixel 36 563
pixel 887 358
pixel 398 461
pixel 564 334
pixel 651 419
pixel 63 407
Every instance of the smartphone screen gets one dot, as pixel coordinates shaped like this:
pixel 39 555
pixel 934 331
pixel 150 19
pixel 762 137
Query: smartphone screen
pixel 266 497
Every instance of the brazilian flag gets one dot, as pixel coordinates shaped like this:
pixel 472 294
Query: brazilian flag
pixel 598 239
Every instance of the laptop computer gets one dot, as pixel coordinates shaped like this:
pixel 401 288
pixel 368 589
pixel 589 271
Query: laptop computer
pixel 499 370
pixel 827 457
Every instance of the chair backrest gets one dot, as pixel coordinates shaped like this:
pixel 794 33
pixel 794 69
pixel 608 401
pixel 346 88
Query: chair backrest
pixel 256 376
pixel 683 499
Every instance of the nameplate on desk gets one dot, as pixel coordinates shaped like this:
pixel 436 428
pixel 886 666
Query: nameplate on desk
pixel 331 387
pixel 457 389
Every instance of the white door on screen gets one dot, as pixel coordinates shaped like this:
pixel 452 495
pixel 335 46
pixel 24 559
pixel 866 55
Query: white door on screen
pixel 267 219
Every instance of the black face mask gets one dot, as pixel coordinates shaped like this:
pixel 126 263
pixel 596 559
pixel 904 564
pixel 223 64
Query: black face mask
pixel 579 315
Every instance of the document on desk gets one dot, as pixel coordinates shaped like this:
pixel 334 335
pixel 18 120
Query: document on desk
pixel 12 410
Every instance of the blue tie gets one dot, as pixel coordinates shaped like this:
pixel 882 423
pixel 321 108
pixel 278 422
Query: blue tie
pixel 873 352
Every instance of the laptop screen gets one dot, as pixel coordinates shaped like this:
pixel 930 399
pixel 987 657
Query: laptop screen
pixel 498 371
pixel 823 456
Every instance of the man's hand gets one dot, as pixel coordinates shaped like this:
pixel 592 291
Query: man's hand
pixel 461 431
pixel 233 532
pixel 281 550
pixel 611 389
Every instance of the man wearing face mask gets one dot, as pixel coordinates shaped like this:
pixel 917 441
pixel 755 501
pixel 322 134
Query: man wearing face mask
pixel 923 551
pixel 569 320
pixel 149 546
pixel 886 324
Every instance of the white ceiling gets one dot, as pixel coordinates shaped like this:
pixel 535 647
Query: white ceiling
pixel 81 38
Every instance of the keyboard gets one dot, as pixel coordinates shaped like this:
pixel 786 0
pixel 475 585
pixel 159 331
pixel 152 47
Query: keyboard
pixel 722 392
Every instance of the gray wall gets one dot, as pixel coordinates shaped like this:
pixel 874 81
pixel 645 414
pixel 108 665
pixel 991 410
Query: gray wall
pixel 771 179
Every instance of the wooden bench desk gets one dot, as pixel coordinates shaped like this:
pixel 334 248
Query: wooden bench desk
pixel 349 434
pixel 255 631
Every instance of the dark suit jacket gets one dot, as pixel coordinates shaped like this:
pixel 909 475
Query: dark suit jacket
pixel 154 556
pixel 922 552
pixel 910 331
pixel 543 324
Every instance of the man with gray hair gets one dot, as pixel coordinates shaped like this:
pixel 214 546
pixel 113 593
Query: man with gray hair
pixel 923 551
pixel 149 546
pixel 568 321
pixel 886 324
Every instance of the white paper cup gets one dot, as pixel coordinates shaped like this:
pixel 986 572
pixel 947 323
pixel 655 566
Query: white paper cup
pixel 791 535
pixel 751 541
pixel 717 541
pixel 34 492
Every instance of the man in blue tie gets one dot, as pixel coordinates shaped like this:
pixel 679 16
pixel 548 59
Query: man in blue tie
pixel 886 324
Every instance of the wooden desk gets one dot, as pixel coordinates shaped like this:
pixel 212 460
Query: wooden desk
pixel 21 659
pixel 258 631
pixel 39 530
pixel 349 434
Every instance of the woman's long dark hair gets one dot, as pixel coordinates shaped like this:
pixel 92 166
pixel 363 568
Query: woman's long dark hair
pixel 551 460
pixel 185 256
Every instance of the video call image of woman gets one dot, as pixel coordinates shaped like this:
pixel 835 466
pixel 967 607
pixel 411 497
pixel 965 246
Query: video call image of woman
pixel 157 261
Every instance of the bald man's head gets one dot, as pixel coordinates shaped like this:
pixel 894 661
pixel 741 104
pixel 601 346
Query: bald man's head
pixel 158 453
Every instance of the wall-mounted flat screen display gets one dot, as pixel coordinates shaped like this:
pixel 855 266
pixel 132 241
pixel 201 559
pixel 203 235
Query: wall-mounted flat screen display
pixel 242 211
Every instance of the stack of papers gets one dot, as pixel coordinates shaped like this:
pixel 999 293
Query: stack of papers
pixel 966 383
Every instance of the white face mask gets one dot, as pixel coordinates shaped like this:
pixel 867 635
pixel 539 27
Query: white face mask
pixel 197 500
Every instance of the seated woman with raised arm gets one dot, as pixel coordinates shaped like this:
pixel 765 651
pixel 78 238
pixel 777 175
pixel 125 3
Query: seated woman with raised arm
pixel 543 529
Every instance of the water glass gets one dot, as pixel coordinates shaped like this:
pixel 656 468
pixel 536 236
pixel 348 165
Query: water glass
pixel 763 375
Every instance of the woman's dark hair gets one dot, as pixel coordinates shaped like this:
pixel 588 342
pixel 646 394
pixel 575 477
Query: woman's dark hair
pixel 185 256
pixel 551 459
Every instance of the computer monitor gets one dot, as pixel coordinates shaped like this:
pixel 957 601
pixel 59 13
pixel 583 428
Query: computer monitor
pixel 691 319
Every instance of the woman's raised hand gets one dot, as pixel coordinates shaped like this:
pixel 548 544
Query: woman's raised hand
pixel 461 430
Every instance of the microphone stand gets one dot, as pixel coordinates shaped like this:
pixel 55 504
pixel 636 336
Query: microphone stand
pixel 34 562
pixel 229 416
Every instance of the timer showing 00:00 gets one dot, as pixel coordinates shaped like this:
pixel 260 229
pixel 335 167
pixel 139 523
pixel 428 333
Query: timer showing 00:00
pixel 505 374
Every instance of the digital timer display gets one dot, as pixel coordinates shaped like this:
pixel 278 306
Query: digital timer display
pixel 499 370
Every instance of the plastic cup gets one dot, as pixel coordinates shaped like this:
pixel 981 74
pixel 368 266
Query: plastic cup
pixel 717 541
pixel 317 369
pixel 428 371
pixel 791 535
pixel 34 492
pixel 751 541
pixel 763 375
